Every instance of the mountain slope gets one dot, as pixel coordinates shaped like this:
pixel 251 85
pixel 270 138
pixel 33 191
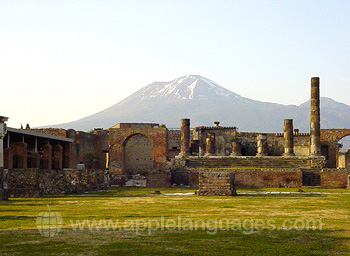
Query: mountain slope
pixel 204 101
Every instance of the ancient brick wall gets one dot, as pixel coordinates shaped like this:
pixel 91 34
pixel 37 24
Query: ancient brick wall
pixel 3 196
pixel 158 179
pixel 214 182
pixel 138 155
pixel 89 149
pixel 334 178
pixel 35 182
pixel 217 181
pixel 173 143
pixel 51 131
pixel 173 139
pixel 193 179
pixel 268 178
pixel 118 138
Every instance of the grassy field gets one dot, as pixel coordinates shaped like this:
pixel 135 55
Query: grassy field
pixel 135 221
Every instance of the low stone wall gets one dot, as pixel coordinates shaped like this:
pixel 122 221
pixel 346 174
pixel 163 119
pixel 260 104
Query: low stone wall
pixel 217 181
pixel 38 182
pixel 158 179
pixel 3 196
pixel 268 178
pixel 193 179
pixel 334 178
pixel 214 183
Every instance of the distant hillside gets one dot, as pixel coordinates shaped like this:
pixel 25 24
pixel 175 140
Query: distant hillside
pixel 204 101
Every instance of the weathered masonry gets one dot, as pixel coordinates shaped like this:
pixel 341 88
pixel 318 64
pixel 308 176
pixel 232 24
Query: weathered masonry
pixel 36 162
pixel 138 149
pixel 224 158
pixel 27 149
pixel 214 158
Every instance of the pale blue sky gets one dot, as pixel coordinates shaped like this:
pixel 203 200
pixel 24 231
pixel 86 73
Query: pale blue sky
pixel 63 60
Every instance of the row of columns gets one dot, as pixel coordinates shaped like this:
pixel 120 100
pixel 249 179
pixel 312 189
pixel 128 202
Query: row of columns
pixel 315 132
pixel 262 146
pixel 17 157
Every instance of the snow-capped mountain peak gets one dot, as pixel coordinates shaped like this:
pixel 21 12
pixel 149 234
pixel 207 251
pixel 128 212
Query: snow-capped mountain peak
pixel 187 88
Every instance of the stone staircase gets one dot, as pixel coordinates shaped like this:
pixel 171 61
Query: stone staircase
pixel 254 162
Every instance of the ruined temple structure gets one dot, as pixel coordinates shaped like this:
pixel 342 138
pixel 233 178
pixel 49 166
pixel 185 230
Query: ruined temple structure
pixel 214 158
pixel 222 156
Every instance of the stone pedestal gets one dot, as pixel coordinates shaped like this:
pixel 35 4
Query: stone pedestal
pixel 185 137
pixel 47 157
pixel 210 145
pixel 288 137
pixel 262 145
pixel 315 132
pixel 236 149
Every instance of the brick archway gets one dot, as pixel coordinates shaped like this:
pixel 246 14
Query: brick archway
pixel 330 139
pixel 334 135
pixel 118 138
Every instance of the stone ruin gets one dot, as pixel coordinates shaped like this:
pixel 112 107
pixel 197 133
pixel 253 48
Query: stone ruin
pixel 215 159
pixel 225 159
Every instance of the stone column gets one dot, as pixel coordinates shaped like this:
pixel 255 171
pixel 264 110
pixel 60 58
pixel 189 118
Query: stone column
pixel 58 157
pixel 262 145
pixel 210 145
pixel 315 140
pixel 288 137
pixel 47 157
pixel 185 137
pixel 20 153
pixel 236 149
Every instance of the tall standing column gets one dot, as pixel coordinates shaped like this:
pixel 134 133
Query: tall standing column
pixel 288 137
pixel 185 137
pixel 262 145
pixel 315 133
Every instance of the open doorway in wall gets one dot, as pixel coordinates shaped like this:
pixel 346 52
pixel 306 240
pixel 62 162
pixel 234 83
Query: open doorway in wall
pixel 344 144
pixel 343 155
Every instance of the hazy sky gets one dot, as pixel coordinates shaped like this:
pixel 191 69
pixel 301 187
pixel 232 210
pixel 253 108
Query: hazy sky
pixel 63 60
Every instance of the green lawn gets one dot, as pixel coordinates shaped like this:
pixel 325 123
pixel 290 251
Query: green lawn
pixel 134 221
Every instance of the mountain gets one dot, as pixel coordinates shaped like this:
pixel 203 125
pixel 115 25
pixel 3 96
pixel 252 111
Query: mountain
pixel 204 101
